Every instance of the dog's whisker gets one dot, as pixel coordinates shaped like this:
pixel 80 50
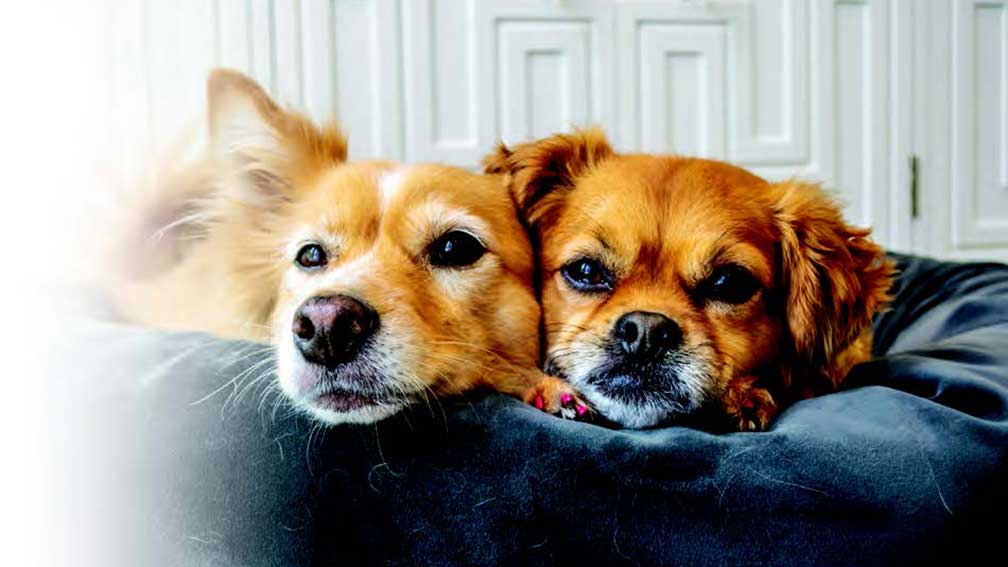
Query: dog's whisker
pixel 243 386
pixel 236 381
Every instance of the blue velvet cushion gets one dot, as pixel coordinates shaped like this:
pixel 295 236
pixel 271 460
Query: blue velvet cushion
pixel 908 463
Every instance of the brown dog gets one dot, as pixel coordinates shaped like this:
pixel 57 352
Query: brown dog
pixel 672 284
pixel 377 284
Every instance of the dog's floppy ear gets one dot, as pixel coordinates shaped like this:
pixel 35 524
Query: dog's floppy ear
pixel 541 169
pixel 267 145
pixel 834 277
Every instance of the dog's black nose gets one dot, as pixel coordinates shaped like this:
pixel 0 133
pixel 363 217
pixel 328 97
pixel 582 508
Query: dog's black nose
pixel 330 330
pixel 645 335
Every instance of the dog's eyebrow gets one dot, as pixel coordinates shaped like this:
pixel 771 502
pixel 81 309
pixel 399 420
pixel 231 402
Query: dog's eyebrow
pixel 732 252
pixel 720 250
pixel 600 235
pixel 715 258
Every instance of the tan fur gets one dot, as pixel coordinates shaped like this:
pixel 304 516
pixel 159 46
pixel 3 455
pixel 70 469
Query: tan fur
pixel 270 180
pixel 661 223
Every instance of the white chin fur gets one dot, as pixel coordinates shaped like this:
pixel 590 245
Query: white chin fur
pixel 629 416
pixel 366 415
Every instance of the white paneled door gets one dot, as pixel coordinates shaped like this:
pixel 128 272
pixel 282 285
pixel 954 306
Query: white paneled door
pixel 979 197
pixel 844 92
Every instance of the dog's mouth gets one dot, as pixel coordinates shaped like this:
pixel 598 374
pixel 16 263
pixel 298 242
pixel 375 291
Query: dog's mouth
pixel 360 391
pixel 640 395
pixel 353 386
pixel 641 385
pixel 336 404
pixel 341 400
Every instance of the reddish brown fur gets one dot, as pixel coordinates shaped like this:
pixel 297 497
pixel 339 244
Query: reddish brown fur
pixel 660 221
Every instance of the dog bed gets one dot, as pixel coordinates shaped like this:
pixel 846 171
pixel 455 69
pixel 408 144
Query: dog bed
pixel 170 461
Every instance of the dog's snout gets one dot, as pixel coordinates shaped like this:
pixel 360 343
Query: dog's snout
pixel 330 330
pixel 645 335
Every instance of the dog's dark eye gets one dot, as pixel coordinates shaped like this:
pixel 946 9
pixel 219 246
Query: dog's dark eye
pixel 587 275
pixel 311 257
pixel 455 249
pixel 730 284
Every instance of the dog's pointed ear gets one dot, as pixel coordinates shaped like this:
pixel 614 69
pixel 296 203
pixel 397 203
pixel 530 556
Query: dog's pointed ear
pixel 267 145
pixel 542 169
pixel 834 277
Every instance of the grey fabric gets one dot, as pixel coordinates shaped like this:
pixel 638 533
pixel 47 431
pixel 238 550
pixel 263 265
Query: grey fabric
pixel 175 461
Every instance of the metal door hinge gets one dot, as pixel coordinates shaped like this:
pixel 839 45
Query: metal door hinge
pixel 914 186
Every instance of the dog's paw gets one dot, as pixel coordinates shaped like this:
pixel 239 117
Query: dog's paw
pixel 555 396
pixel 749 408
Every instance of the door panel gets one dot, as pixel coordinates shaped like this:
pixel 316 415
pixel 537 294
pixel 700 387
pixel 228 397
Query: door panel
pixel 979 197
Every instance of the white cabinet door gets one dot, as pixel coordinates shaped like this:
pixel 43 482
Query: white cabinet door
pixel 979 148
